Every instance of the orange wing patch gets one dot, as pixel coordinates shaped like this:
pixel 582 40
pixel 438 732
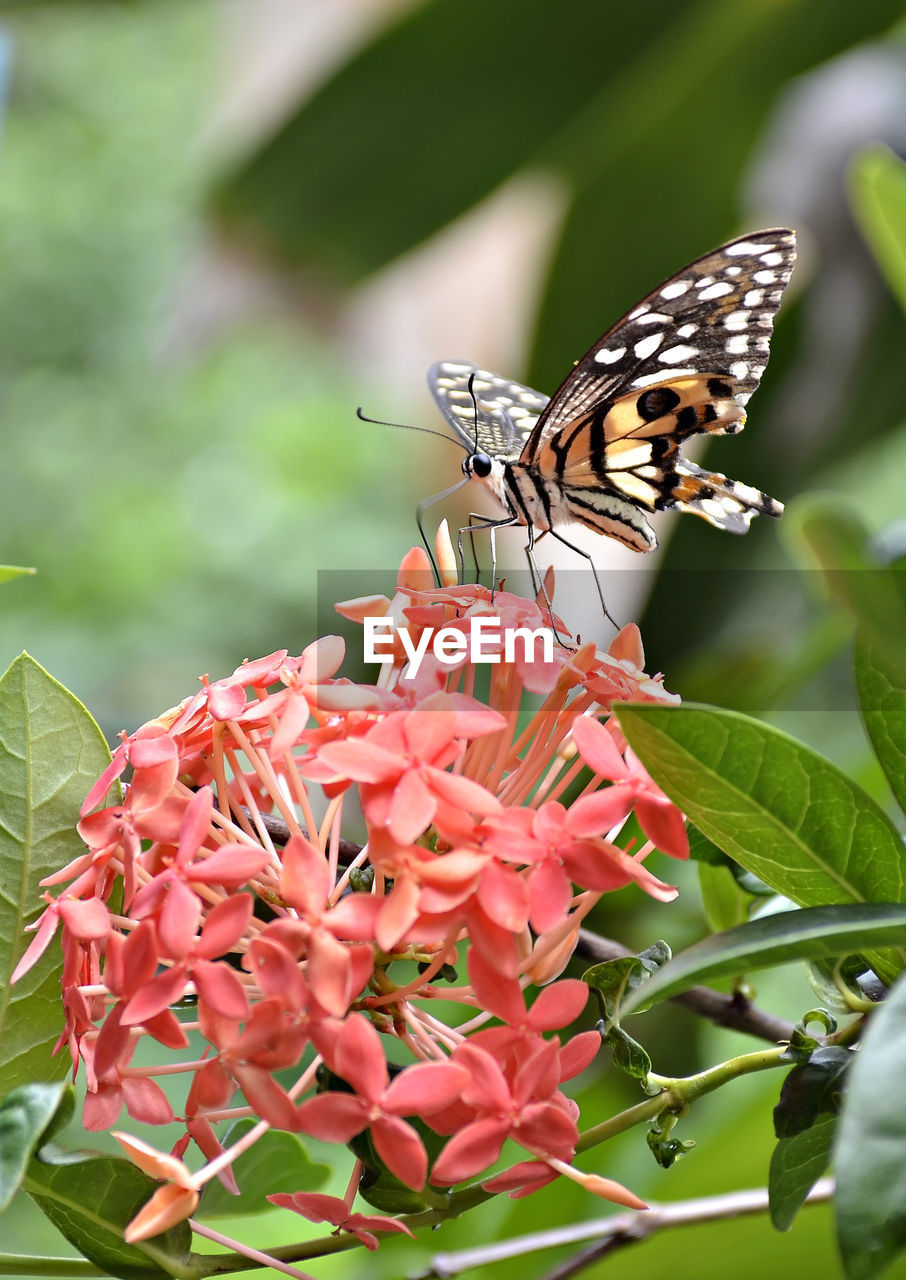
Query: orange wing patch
pixel 677 408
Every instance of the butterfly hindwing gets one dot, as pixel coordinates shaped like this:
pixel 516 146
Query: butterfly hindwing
pixel 500 418
pixel 725 503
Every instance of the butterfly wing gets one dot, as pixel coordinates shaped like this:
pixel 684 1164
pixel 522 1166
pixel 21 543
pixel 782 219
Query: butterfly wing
pixel 499 419
pixel 683 362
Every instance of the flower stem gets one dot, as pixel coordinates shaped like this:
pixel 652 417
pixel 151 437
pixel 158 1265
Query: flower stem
pixel 24 1264
pixel 678 1093
pixel 650 1109
pixel 688 1088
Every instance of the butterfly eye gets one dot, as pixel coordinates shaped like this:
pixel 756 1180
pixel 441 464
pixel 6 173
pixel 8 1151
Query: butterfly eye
pixel 479 464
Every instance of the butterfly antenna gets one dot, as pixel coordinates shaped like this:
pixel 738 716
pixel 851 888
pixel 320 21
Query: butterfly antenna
pixel 406 426
pixel 474 407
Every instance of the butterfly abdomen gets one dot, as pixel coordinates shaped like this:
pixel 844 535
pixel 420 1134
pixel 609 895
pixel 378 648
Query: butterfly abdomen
pixel 543 502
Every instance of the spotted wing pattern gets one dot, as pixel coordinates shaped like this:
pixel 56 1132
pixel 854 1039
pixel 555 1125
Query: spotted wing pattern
pixel 715 316
pixel 500 418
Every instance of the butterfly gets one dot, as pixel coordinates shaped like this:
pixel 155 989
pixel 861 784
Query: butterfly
pixel 606 448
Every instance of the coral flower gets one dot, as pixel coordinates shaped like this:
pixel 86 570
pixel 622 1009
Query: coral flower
pixel 223 902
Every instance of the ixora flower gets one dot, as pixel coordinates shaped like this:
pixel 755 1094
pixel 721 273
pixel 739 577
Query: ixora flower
pixel 220 897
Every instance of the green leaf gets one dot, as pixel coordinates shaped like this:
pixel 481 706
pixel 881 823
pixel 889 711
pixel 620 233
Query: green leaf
pixel 836 538
pixel 878 192
pixel 90 1199
pixel 276 1162
pixel 796 1165
pixel 8 572
pixel 781 810
pixel 701 849
pixel 725 902
pixel 812 1090
pixel 386 1193
pixel 631 1057
pixel 611 980
pixel 666 1150
pixel 321 191
pixel 870 1147
pixel 51 751
pixel 880 669
pixel 28 1114
pixel 831 980
pixel 814 932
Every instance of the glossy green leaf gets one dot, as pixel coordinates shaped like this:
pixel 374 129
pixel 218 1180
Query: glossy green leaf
pixel 51 751
pixel 777 807
pixel 812 1090
pixel 8 572
pixel 27 1114
pixel 870 1147
pixel 796 1165
pixel 90 1199
pixel 878 188
pixel 666 1150
pixel 880 668
pixel 610 981
pixel 276 1162
pixel 701 849
pixel 814 932
pixel 631 1057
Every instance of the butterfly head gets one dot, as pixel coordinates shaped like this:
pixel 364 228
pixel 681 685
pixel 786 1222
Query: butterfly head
pixel 479 465
pixel 490 472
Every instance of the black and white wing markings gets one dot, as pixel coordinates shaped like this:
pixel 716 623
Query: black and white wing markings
pixel 500 418
pixel 715 316
pixel 606 448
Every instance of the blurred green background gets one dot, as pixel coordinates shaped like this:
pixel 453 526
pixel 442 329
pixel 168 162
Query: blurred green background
pixel 225 224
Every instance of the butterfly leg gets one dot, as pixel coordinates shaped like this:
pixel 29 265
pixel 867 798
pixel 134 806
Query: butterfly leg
pixel 594 573
pixel 538 582
pixel 492 526
pixel 473 515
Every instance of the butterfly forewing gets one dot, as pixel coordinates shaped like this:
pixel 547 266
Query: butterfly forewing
pixel 499 419
pixel 713 317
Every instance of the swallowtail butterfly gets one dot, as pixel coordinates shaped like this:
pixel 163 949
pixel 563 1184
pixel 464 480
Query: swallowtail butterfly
pixel 606 448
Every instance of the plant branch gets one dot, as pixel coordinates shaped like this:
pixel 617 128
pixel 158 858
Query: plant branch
pixel 278 830
pixel 677 1093
pixel 27 1264
pixel 615 1232
pixel 687 1089
pixel 732 1011
pixel 650 1109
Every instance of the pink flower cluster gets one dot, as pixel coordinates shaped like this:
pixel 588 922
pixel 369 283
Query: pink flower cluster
pixel 222 882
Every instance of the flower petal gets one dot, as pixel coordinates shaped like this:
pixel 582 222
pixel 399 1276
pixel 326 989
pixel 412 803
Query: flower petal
pixel 468 1152
pixel 598 749
pixel 401 1150
pixel 169 1204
